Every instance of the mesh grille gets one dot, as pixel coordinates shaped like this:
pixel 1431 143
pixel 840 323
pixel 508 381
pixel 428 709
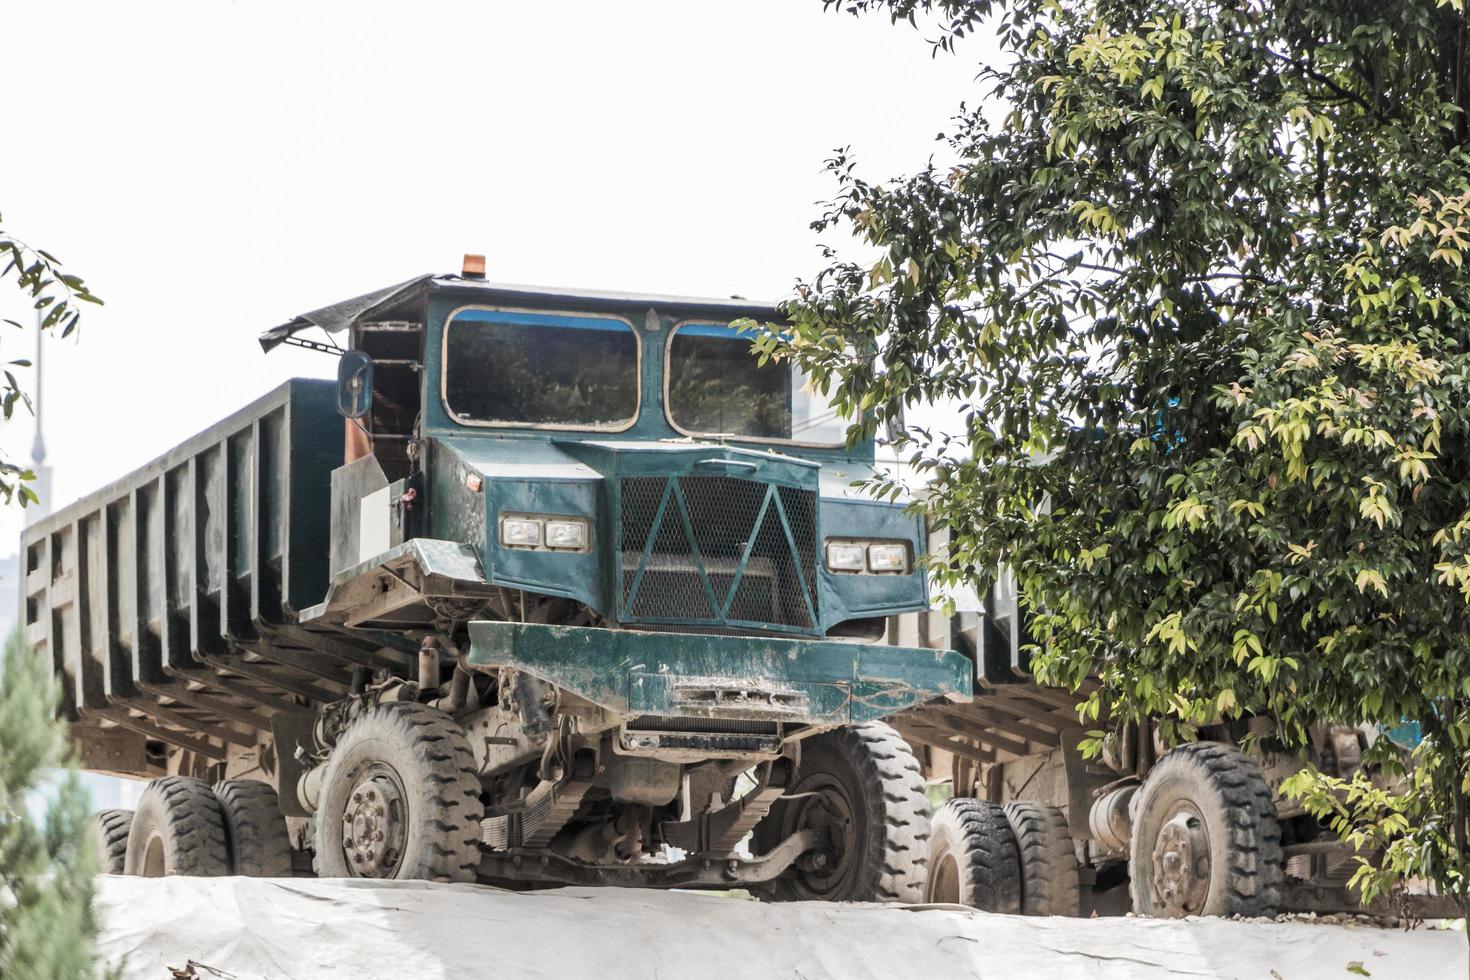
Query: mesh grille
pixel 725 515
pixel 651 723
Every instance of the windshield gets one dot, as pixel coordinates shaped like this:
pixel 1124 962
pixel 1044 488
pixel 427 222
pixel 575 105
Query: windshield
pixel 540 369
pixel 717 387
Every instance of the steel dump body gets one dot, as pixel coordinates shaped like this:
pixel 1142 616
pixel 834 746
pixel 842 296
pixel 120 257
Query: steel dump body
pixel 155 597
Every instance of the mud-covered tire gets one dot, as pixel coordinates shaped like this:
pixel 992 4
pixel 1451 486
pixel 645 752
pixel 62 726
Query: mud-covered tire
pixel 177 829
pixel 255 828
pixel 864 778
pixel 112 839
pixel 425 798
pixel 1205 800
pixel 1049 872
pixel 973 857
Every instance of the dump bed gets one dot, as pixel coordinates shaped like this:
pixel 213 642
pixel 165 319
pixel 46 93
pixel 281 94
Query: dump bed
pixel 166 602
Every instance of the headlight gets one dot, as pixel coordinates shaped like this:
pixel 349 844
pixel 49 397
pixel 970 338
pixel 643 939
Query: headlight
pixel 520 532
pixel 571 535
pixel 877 557
pixel 845 556
pixel 888 558
pixel 538 532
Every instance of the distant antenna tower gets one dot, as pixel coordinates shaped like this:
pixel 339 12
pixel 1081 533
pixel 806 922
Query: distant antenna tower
pixel 42 484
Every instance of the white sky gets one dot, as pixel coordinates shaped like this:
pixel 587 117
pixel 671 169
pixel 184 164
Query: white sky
pixel 213 168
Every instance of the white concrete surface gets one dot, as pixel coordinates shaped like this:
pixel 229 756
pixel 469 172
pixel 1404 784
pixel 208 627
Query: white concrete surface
pixel 296 929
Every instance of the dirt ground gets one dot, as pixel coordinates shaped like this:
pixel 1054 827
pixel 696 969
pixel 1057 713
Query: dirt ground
pixel 294 929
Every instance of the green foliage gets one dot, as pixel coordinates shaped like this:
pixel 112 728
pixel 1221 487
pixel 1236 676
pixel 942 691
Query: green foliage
pixel 1194 278
pixel 46 927
pixel 1406 826
pixel 55 295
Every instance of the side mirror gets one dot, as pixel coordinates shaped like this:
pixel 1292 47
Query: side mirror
pixel 354 384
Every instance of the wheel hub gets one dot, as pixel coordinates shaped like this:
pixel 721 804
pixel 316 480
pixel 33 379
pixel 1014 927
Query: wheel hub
pixel 826 809
pixel 1181 862
pixel 374 824
pixel 943 883
pixel 154 865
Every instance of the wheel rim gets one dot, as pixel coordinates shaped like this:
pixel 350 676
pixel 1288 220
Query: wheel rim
pixel 1180 879
pixel 153 862
pixel 943 884
pixel 824 805
pixel 374 823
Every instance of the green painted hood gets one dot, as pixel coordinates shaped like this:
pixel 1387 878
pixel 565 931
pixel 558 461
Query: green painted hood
pixel 722 495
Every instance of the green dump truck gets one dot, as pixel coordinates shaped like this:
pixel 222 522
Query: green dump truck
pixel 549 587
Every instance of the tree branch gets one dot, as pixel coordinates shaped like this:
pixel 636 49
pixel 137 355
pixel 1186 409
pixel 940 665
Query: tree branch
pixel 1316 76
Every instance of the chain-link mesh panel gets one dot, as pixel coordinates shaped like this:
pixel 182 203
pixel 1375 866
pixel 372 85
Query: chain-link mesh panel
pixel 777 583
pixel 670 586
pixel 800 507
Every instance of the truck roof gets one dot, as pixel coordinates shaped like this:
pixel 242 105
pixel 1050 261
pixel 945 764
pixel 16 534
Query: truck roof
pixel 403 301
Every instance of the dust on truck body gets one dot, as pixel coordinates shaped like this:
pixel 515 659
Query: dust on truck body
pixel 578 593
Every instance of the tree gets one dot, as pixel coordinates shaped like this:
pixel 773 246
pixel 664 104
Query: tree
pixel 47 930
pixel 46 927
pixel 1199 297
pixel 56 295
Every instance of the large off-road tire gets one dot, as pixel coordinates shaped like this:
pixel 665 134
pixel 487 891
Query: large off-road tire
pixel 1049 872
pixel 1205 837
pixel 861 786
pixel 178 829
pixel 112 839
pixel 260 846
pixel 400 799
pixel 973 857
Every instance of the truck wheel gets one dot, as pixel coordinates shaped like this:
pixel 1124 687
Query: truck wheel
pixel 973 858
pixel 178 829
pixel 112 839
pixel 861 786
pixel 255 827
pixel 1205 837
pixel 1049 878
pixel 400 799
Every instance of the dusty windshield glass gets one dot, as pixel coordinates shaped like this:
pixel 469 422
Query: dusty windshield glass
pixel 542 369
pixel 717 387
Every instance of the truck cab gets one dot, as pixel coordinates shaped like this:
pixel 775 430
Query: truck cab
pixel 617 461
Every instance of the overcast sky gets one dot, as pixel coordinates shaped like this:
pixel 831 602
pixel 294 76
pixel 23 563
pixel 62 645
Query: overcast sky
pixel 213 168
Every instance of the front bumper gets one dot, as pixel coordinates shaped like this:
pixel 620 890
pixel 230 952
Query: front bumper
pixel 745 678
